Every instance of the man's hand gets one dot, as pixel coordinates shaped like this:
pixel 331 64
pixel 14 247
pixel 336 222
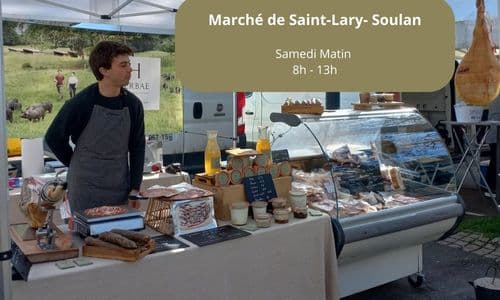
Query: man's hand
pixel 134 203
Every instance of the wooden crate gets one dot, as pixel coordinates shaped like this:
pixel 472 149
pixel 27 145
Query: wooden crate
pixel 31 250
pixel 163 179
pixel 120 254
pixel 225 196
pixel 158 215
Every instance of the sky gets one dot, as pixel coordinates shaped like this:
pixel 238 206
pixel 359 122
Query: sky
pixel 466 9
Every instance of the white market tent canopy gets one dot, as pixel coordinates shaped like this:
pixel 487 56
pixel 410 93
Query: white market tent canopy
pixel 146 16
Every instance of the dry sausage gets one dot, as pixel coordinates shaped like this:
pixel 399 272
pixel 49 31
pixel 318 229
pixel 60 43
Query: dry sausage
pixel 139 238
pixel 90 241
pixel 117 240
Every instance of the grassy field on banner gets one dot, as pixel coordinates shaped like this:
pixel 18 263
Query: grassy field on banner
pixel 30 78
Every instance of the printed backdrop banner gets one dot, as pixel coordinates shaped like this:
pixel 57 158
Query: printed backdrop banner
pixel 145 81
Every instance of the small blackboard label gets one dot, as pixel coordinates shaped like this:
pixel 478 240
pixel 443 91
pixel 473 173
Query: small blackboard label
pixel 280 155
pixel 259 188
pixel 20 262
pixel 167 243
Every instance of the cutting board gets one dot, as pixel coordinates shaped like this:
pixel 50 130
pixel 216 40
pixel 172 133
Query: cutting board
pixel 120 254
pixel 376 106
pixel 309 109
pixel 36 255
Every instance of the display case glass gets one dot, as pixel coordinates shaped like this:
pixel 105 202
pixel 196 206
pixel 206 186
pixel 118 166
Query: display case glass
pixel 380 159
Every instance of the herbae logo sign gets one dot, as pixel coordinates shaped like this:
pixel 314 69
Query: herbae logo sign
pixel 145 81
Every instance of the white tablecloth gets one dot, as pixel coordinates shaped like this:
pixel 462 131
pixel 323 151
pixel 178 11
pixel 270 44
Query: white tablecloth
pixel 286 261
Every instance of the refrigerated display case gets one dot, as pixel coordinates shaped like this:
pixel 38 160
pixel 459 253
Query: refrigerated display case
pixel 389 191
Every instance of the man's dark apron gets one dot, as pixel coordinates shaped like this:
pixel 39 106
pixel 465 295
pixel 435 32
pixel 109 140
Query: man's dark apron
pixel 99 173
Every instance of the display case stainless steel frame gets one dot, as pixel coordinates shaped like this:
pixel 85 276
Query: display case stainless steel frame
pixel 385 245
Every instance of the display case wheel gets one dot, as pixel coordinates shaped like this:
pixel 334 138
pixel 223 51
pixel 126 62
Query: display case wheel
pixel 416 280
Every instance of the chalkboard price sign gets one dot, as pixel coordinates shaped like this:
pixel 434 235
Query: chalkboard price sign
pixel 280 155
pixel 214 235
pixel 20 262
pixel 259 188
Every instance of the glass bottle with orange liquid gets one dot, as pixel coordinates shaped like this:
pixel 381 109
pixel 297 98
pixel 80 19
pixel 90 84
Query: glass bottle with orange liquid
pixel 212 154
pixel 263 144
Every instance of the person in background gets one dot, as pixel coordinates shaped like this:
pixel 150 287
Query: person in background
pixel 72 83
pixel 59 80
pixel 105 122
pixel 491 139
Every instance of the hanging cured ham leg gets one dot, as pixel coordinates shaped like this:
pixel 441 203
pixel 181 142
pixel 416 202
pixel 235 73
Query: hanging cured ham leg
pixel 478 75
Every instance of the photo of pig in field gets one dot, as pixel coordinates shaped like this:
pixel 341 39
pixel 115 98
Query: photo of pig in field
pixel 11 106
pixel 29 77
pixel 8 114
pixel 14 104
pixel 48 106
pixel 37 111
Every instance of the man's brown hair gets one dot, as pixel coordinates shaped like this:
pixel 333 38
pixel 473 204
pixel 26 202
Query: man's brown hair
pixel 103 54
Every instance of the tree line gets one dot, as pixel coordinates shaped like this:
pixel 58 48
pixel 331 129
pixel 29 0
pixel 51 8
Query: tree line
pixel 43 36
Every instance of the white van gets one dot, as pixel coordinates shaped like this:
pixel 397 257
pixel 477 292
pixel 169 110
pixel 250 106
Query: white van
pixel 201 112
pixel 259 105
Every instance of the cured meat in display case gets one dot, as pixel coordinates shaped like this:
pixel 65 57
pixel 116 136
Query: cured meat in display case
pixel 387 181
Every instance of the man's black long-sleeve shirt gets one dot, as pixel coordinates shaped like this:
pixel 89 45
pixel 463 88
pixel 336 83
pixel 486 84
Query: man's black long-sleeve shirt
pixel 75 114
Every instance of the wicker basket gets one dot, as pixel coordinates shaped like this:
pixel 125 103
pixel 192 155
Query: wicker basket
pixel 159 216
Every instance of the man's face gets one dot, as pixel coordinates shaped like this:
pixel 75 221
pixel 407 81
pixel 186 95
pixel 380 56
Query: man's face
pixel 119 73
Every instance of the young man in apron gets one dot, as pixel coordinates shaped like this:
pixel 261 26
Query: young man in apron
pixel 105 122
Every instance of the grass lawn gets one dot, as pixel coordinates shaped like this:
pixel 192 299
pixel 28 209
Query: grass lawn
pixel 29 78
pixel 488 226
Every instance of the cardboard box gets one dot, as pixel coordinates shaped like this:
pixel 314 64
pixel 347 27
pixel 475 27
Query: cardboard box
pixel 225 196
pixel 163 179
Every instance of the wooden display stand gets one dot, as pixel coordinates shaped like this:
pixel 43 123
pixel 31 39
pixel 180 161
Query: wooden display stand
pixel 225 196
pixel 303 108
pixel 158 215
pixel 30 249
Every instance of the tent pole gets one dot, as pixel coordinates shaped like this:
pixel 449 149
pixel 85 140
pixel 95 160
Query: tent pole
pixel 5 274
